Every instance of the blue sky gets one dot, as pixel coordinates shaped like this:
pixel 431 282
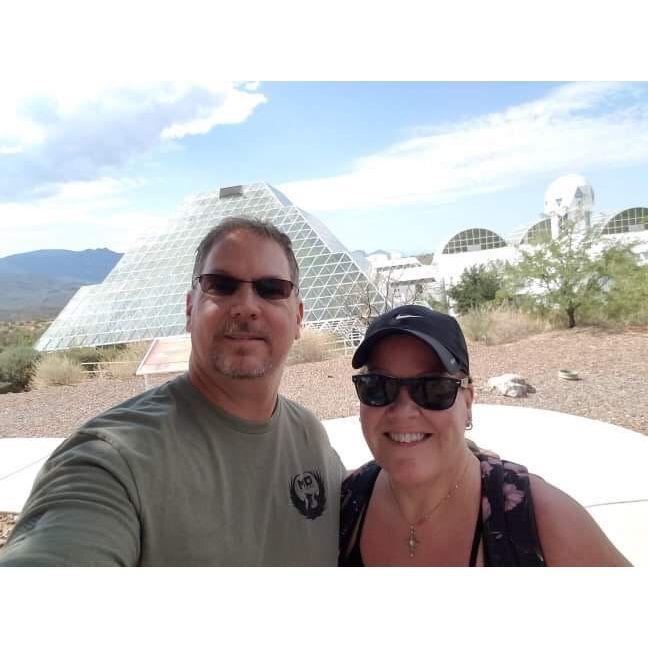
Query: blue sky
pixel 108 119
pixel 396 165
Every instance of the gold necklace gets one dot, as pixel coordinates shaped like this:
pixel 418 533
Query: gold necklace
pixel 412 541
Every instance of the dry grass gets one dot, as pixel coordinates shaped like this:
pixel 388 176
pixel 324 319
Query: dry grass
pixel 55 370
pixel 604 321
pixel 313 346
pixel 501 325
pixel 124 363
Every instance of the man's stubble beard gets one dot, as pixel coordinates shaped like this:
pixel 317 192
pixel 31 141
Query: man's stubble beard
pixel 231 367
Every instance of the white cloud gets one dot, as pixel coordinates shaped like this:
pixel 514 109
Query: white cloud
pixel 78 129
pixel 94 190
pixel 76 216
pixel 10 150
pixel 226 107
pixel 577 127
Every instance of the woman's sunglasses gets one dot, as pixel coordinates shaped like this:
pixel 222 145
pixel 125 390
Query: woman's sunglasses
pixel 219 284
pixel 428 392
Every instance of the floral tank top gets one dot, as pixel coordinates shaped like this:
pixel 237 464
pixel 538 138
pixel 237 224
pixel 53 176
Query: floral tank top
pixel 506 521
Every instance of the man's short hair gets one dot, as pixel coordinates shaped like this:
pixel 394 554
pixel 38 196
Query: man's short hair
pixel 262 228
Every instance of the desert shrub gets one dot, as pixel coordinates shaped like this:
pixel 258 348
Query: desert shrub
pixel 124 359
pixel 109 352
pixel 603 318
pixel 87 357
pixel 585 278
pixel 312 346
pixel 624 298
pixel 17 366
pixel 56 369
pixel 440 305
pixel 477 286
pixel 509 325
pixel 475 324
pixel 501 325
pixel 20 334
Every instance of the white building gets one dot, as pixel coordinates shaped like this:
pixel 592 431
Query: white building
pixel 402 280
pixel 568 197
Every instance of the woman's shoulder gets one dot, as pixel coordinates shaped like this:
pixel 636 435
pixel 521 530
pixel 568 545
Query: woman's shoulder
pixel 568 533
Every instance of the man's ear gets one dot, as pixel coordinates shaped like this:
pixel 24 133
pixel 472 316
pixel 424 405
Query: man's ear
pixel 188 309
pixel 300 317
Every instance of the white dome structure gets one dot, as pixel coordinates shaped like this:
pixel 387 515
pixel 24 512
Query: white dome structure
pixel 568 193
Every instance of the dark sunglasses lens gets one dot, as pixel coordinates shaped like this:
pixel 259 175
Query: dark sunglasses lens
pixel 375 390
pixel 435 393
pixel 216 284
pixel 273 288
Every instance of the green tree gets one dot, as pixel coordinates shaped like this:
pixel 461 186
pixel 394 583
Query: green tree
pixel 625 293
pixel 572 272
pixel 440 305
pixel 477 286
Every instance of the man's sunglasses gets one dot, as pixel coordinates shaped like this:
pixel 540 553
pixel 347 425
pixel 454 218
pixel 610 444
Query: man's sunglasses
pixel 219 284
pixel 428 392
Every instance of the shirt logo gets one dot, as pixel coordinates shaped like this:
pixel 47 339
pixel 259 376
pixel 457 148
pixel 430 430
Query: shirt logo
pixel 308 494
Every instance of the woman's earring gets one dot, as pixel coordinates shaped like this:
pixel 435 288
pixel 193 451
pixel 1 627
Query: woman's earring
pixel 469 424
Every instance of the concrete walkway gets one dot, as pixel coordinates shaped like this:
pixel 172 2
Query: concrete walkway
pixel 603 466
pixel 20 461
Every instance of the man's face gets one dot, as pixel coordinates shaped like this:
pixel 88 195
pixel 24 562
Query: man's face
pixel 242 335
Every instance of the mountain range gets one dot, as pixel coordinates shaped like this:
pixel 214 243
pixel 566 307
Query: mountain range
pixel 38 284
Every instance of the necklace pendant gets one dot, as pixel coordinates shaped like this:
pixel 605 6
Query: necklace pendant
pixel 412 541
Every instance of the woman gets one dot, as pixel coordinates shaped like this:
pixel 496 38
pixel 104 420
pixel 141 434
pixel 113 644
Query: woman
pixel 428 499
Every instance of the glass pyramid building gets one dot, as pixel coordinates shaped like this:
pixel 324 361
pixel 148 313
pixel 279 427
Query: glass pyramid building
pixel 143 297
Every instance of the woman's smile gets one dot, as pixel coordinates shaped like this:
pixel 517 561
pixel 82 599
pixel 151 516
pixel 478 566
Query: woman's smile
pixel 407 438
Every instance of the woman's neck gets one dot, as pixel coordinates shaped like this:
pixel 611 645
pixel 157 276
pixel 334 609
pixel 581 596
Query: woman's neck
pixel 417 502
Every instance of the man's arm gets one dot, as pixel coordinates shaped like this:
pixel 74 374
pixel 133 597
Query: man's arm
pixel 82 511
pixel 569 536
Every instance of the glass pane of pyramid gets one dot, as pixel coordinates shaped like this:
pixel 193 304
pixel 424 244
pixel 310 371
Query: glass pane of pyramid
pixel 143 297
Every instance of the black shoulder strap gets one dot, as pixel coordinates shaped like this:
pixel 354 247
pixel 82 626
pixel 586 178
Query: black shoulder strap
pixel 355 495
pixel 510 532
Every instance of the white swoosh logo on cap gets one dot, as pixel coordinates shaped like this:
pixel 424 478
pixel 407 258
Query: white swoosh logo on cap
pixel 406 316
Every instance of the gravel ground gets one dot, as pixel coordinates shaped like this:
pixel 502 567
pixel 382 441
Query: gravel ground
pixel 613 368
pixel 7 521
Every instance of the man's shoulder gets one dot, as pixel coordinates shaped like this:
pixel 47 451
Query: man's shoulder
pixel 305 425
pixel 295 410
pixel 150 410
pixel 302 421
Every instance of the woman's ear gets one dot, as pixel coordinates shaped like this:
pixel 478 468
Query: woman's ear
pixel 469 395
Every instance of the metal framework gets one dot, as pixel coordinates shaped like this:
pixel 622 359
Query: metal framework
pixel 634 219
pixel 143 297
pixel 470 240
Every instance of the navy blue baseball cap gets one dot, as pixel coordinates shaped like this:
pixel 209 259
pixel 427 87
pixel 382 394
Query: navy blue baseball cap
pixel 439 331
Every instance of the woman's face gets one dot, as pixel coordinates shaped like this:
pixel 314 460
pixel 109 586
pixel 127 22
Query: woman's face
pixel 411 443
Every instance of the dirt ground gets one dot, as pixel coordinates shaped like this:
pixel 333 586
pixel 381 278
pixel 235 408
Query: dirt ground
pixel 613 368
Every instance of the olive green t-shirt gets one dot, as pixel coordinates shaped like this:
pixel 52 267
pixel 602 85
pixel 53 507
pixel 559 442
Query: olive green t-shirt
pixel 168 478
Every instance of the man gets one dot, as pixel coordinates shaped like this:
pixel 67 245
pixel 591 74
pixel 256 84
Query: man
pixel 212 468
